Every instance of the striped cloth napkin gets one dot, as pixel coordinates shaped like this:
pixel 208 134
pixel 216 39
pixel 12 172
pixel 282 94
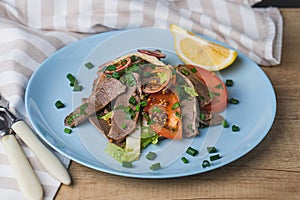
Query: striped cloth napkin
pixel 31 30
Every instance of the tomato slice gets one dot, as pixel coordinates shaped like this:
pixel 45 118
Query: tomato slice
pixel 216 87
pixel 168 104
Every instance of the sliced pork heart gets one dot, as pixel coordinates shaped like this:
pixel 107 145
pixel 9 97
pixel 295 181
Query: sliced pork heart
pixel 189 111
pixel 104 91
pixel 200 87
pixel 210 118
pixel 125 116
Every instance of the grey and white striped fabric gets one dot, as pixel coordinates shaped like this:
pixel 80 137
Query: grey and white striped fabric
pixel 31 30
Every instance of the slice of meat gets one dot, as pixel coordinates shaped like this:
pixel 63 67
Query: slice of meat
pixel 189 111
pixel 210 118
pixel 200 87
pixel 124 113
pixel 104 91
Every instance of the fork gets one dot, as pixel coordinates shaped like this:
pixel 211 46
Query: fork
pixel 48 160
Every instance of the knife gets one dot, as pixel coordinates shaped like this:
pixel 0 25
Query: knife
pixel 27 180
pixel 48 160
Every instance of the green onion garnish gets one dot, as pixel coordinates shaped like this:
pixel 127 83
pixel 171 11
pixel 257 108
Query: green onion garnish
pixel 133 58
pixel 127 164
pixel 132 100
pixel 211 149
pixel 177 114
pixel 71 77
pixel 235 128
pixel 151 155
pixel 225 124
pixel 67 130
pixel 175 105
pixel 214 157
pixel 111 68
pixel 192 151
pixel 115 75
pixel 234 101
pixel 59 104
pixel 194 70
pixel 89 65
pixel 124 126
pixel 77 88
pixel 219 86
pixel 185 72
pixel 143 103
pixel 155 166
pixel 184 160
pixel 229 82
pixel 205 163
pixel 202 116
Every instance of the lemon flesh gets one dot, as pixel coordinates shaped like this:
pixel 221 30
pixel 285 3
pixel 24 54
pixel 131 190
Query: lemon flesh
pixel 195 50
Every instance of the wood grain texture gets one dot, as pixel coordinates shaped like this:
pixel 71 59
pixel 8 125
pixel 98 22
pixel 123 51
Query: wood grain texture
pixel 269 171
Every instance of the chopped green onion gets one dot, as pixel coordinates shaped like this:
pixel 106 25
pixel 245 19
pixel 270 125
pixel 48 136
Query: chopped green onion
pixel 155 166
pixel 124 126
pixel 111 68
pixel 151 155
pixel 229 82
pixel 130 114
pixel 219 86
pixel 192 151
pixel 205 163
pixel 133 58
pixel 143 103
pixel 235 128
pixel 194 70
pixel 75 82
pixel 89 65
pixel 67 130
pixel 202 116
pixel 115 75
pixel 225 124
pixel 77 88
pixel 234 101
pixel 127 164
pixel 82 109
pixel 133 68
pixel 184 160
pixel 175 105
pixel 137 108
pixel 214 157
pixel 132 100
pixel 71 78
pixel 177 114
pixel 185 72
pixel 211 149
pixel 59 104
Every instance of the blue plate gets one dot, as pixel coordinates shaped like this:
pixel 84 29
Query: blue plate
pixel 254 114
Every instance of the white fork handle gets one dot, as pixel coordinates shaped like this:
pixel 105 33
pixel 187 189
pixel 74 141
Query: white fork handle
pixel 27 180
pixel 49 161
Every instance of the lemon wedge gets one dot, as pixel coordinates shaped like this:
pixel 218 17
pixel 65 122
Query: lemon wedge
pixel 195 50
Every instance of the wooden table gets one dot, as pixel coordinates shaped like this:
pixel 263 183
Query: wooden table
pixel 269 171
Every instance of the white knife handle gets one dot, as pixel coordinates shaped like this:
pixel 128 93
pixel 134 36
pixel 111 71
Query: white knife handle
pixel 26 178
pixel 49 161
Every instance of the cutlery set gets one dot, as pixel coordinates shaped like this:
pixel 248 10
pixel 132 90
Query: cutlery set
pixel 25 175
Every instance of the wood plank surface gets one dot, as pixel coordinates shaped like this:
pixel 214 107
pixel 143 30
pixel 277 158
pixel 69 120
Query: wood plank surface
pixel 269 171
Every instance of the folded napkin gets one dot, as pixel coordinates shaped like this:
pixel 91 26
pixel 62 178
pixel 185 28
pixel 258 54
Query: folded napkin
pixel 31 30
